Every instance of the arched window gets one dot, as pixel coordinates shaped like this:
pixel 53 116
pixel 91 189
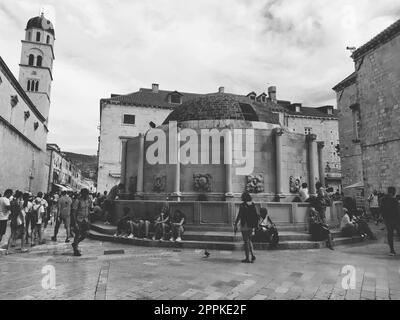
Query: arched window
pixel 38 36
pixel 31 59
pixel 39 60
pixel 48 40
pixel 28 86
pixel 37 86
pixel 29 38
pixel 32 85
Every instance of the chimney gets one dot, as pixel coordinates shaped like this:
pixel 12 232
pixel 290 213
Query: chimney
pixel 221 90
pixel 155 87
pixel 272 93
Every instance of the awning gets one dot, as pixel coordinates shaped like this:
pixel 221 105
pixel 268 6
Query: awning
pixel 358 185
pixel 61 187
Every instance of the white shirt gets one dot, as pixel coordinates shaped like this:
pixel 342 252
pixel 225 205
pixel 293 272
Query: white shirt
pixel 304 194
pixel 374 201
pixel 4 213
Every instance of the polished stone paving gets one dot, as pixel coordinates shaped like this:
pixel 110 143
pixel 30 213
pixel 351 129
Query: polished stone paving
pixel 155 273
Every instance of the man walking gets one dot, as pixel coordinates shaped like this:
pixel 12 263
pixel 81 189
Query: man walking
pixel 390 213
pixel 374 206
pixel 63 215
pixel 80 210
pixel 5 206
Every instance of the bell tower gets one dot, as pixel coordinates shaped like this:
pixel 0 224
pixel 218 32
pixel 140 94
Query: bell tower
pixel 36 67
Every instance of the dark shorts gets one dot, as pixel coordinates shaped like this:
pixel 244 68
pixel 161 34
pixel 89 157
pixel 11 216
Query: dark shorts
pixel 3 227
pixel 83 227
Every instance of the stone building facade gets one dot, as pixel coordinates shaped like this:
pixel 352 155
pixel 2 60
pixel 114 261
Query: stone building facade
pixel 62 171
pixel 24 111
pixel 154 105
pixel 369 104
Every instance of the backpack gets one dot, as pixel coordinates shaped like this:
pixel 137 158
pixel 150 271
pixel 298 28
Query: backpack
pixel 35 214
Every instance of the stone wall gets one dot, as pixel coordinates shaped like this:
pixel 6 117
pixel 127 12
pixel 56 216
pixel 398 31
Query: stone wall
pixel 223 214
pixel 350 151
pixel 113 131
pixel 379 96
pixel 294 163
pixel 22 145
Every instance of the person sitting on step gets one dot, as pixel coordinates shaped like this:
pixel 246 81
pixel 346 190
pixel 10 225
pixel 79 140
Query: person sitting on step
pixel 177 223
pixel 124 228
pixel 266 231
pixel 352 226
pixel 146 224
pixel 318 228
pixel 161 225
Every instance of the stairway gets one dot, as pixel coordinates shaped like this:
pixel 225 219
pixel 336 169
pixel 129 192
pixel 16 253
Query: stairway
pixel 221 238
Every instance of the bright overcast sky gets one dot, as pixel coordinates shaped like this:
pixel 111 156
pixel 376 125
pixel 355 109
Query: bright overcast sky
pixel 116 46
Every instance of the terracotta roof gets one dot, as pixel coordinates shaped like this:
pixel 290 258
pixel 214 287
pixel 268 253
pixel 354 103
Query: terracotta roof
pixel 383 37
pixel 308 112
pixel 148 98
pixel 221 106
pixel 42 23
pixel 346 82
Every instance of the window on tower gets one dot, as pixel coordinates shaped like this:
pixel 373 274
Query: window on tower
pixel 29 38
pixel 38 36
pixel 31 59
pixel 32 85
pixel 39 60
pixel 48 40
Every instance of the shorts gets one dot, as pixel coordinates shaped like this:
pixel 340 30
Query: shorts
pixel 3 227
pixel 66 220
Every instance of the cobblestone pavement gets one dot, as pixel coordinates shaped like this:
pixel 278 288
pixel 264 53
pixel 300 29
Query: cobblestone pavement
pixel 150 273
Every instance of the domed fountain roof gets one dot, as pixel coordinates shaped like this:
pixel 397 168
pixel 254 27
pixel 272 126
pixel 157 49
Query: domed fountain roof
pixel 222 106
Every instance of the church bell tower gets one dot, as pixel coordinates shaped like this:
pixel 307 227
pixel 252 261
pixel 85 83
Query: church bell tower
pixel 36 67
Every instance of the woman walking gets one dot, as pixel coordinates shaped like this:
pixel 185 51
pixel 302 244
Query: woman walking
pixel 248 218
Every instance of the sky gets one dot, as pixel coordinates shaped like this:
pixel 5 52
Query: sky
pixel 119 46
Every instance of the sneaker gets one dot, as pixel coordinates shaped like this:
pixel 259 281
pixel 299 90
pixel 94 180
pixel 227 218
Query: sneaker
pixel 178 239
pixel 392 254
pixel 116 235
pixel 131 236
pixel 172 239
pixel 67 240
pixel 154 238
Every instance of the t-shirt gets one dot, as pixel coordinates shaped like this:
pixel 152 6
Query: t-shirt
pixel 304 195
pixel 64 206
pixel 4 212
pixel 82 208
pixel 345 221
pixel 374 203
pixel 390 208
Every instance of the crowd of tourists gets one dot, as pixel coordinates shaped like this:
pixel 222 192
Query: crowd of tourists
pixel 30 215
